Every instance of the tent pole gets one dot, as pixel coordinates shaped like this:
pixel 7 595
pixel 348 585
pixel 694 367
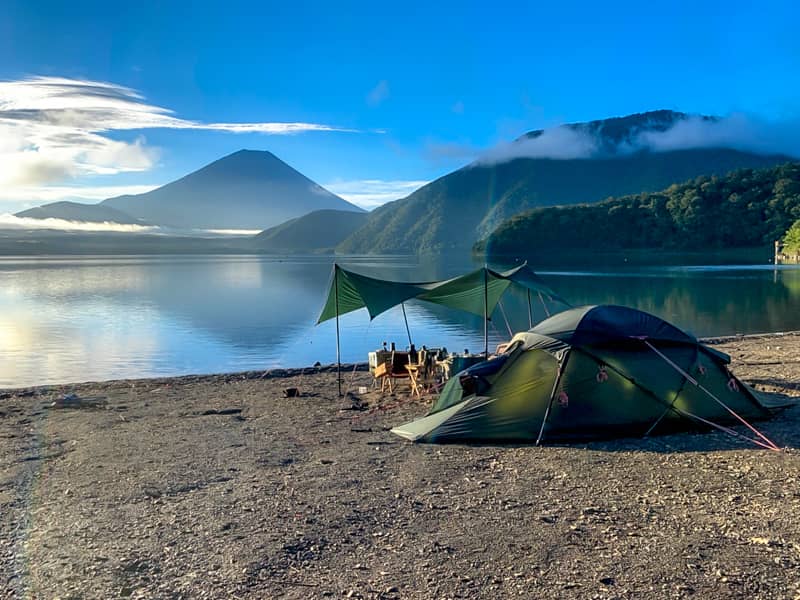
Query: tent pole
pixel 338 351
pixel 485 311
pixel 405 318
pixel 674 400
pixel 666 410
pixel 561 368
pixel 530 314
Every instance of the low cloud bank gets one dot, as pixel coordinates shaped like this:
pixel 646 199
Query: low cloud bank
pixel 559 143
pixel 737 131
pixel 229 232
pixel 9 221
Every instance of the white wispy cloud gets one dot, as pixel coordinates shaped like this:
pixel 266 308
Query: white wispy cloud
pixel 54 129
pixel 370 193
pixel 560 143
pixel 740 131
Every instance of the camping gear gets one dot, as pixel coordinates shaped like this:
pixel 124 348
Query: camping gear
pixel 394 367
pixel 593 372
pixel 376 358
pixel 477 292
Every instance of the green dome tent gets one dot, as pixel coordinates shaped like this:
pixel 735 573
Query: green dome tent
pixel 592 372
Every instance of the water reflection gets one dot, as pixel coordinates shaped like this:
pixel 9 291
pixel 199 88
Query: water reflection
pixel 108 317
pixel 707 301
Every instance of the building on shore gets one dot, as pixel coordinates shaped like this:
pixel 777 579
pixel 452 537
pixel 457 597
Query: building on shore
pixel 781 257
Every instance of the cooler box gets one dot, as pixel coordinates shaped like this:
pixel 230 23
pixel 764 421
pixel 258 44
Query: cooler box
pixel 377 358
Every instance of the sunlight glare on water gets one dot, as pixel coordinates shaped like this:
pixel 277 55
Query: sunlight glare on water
pixel 95 318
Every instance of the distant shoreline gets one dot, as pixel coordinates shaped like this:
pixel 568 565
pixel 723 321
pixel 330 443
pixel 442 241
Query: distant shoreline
pixel 45 242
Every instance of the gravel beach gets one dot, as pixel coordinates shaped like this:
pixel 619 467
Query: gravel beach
pixel 220 487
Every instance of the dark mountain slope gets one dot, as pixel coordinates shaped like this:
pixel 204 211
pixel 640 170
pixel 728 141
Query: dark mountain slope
pixel 319 230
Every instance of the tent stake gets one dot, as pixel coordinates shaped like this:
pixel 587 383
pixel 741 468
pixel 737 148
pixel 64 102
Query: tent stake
pixel 405 318
pixel 338 352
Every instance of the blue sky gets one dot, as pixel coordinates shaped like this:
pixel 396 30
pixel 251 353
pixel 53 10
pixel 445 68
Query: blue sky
pixel 421 87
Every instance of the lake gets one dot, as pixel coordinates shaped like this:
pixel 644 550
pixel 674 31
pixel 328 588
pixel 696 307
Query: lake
pixel 70 319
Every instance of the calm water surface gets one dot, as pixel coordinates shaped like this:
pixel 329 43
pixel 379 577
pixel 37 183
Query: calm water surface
pixel 80 319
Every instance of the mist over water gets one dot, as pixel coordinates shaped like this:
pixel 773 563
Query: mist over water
pixel 71 319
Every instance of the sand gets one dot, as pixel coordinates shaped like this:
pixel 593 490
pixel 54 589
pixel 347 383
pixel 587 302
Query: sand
pixel 220 487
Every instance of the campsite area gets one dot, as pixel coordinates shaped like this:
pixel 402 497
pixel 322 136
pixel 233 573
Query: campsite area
pixel 219 486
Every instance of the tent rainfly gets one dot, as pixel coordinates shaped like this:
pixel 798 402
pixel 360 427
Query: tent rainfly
pixel 477 292
pixel 594 372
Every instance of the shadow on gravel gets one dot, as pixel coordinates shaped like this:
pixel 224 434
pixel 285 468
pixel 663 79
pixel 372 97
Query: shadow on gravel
pixel 782 429
pixel 774 382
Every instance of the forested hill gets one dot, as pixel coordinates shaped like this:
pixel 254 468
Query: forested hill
pixel 456 210
pixel 743 209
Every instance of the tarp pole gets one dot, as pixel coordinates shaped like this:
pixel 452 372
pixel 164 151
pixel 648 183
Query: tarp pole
pixel 547 312
pixel 530 313
pixel 405 318
pixel 505 318
pixel 485 311
pixel 338 351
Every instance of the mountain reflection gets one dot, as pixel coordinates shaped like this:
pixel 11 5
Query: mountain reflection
pixel 79 319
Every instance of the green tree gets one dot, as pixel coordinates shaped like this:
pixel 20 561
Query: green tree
pixel 746 208
pixel 791 241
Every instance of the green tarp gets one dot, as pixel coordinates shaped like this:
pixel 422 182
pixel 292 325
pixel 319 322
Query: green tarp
pixel 357 291
pixel 477 292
